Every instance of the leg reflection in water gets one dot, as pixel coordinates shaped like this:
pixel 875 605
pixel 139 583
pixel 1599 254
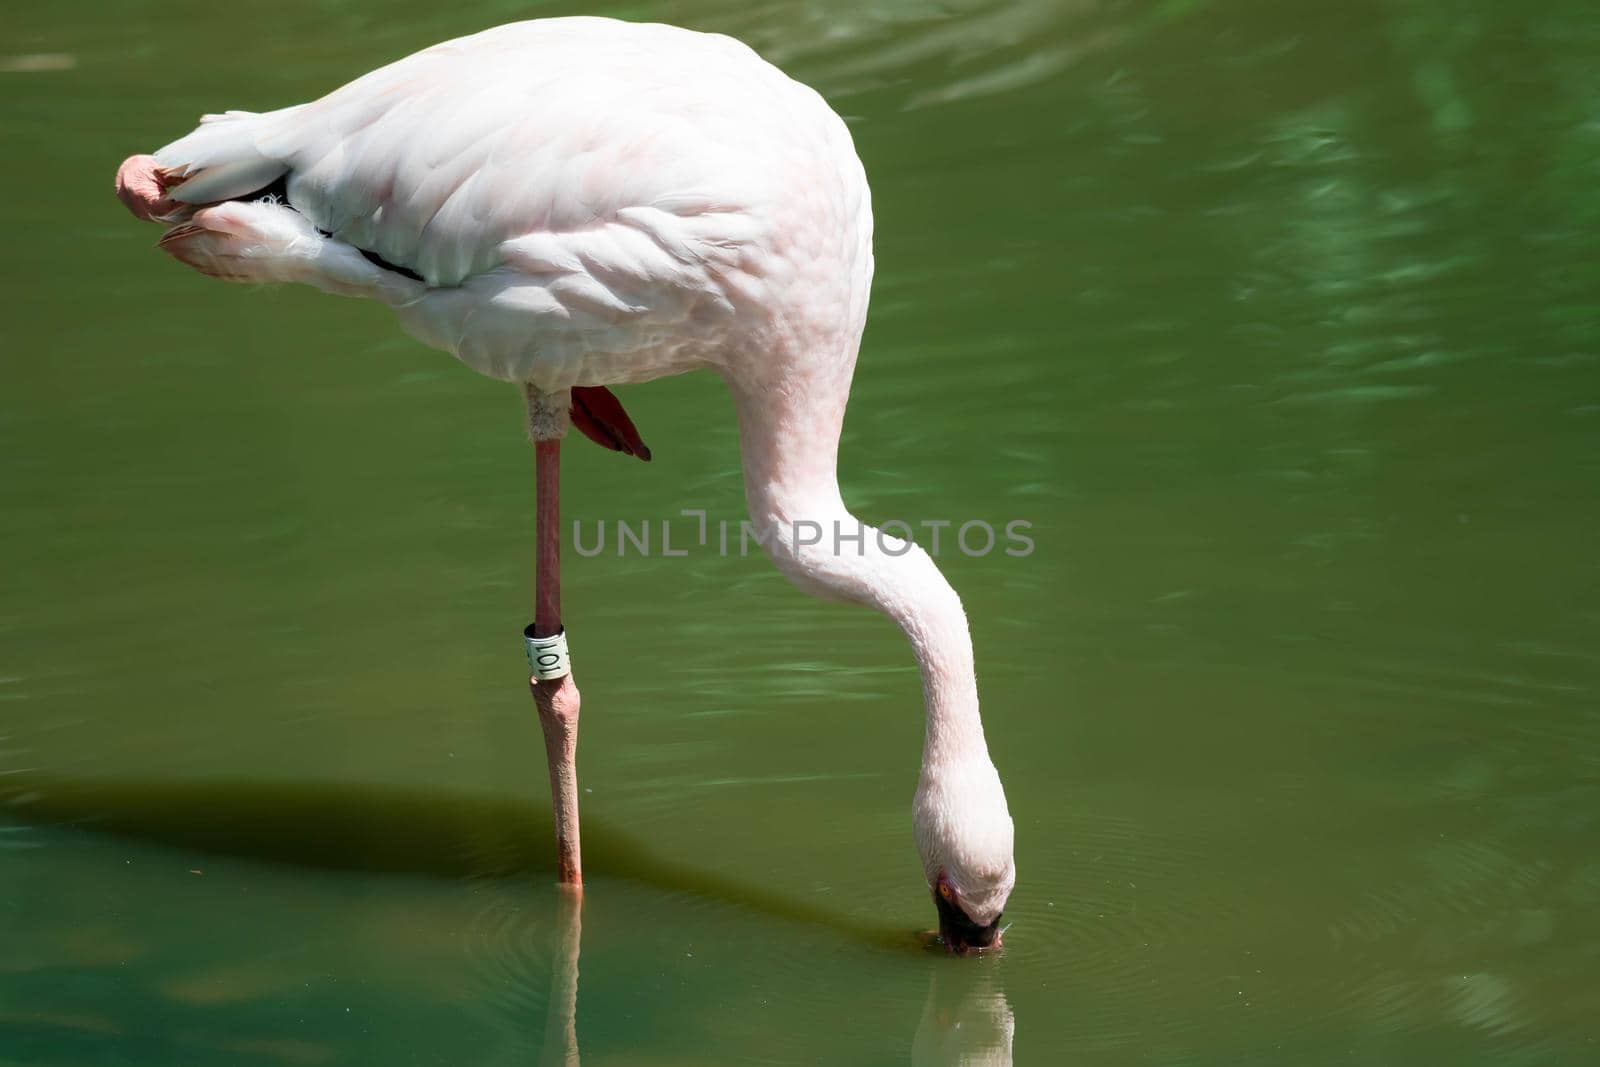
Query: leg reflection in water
pixel 561 1019
pixel 966 1021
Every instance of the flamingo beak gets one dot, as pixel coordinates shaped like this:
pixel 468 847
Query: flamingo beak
pixel 959 933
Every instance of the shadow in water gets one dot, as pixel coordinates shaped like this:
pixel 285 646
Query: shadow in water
pixel 373 829
pixel 365 829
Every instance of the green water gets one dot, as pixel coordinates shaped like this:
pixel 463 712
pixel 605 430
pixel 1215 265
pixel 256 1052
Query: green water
pixel 1279 322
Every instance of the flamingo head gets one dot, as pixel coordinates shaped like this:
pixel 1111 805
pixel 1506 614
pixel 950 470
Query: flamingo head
pixel 964 833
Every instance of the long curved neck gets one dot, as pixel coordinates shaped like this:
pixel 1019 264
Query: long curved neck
pixel 790 454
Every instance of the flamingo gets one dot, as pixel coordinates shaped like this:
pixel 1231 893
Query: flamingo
pixel 570 203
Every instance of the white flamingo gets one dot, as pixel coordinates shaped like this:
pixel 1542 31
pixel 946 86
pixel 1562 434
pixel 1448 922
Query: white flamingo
pixel 570 203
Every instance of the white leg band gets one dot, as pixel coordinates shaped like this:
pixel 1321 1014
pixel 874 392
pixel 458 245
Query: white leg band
pixel 547 656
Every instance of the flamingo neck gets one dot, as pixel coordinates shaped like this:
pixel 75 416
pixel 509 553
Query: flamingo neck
pixel 792 490
pixel 912 591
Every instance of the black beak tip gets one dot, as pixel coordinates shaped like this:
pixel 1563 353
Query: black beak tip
pixel 960 934
pixel 975 939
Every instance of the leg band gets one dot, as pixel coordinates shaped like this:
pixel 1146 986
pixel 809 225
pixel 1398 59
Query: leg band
pixel 547 656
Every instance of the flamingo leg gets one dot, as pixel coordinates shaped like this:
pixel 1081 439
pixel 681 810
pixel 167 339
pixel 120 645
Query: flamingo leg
pixel 557 699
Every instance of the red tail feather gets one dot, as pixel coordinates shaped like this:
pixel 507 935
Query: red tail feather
pixel 598 415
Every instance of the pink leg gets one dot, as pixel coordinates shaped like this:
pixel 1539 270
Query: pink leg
pixel 557 700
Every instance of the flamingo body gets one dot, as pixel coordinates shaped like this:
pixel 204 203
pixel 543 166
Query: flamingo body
pixel 580 201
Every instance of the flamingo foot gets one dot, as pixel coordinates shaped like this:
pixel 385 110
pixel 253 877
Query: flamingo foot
pixel 142 187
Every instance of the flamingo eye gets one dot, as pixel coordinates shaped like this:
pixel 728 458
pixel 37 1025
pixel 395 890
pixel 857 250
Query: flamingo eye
pixel 944 890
